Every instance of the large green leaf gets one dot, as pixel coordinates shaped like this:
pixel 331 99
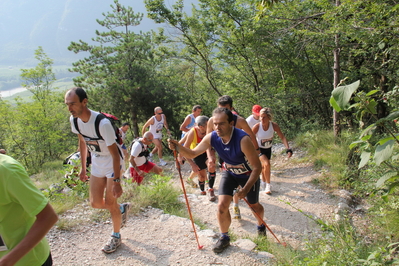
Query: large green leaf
pixel 386 177
pixel 383 152
pixel 343 94
pixel 365 157
pixel 334 104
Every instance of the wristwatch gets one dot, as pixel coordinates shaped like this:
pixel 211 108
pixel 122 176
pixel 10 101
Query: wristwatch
pixel 117 180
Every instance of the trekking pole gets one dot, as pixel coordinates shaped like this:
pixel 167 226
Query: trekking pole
pixel 263 222
pixel 185 196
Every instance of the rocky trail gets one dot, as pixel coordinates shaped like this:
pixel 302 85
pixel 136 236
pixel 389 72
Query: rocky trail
pixel 154 238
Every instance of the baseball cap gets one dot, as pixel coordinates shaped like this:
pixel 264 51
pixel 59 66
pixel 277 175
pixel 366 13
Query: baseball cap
pixel 256 109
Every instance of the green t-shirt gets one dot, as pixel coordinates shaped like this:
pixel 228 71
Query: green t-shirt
pixel 20 202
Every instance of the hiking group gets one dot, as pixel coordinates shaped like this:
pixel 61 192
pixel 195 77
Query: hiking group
pixel 243 148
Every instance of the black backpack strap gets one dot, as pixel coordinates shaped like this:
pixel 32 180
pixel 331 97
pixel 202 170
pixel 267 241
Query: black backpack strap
pixel 99 117
pixel 96 126
pixel 75 122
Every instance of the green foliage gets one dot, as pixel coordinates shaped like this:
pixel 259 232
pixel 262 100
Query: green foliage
pixel 158 193
pixel 35 132
pixel 379 140
pixel 328 154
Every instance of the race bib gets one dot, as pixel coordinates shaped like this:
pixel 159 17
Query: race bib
pixel 266 143
pixel 159 127
pixel 93 145
pixel 237 169
pixel 3 246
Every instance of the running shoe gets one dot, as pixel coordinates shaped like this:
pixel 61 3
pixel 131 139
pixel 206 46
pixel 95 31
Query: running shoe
pixel 268 189
pixel 262 231
pixel 222 243
pixel 162 162
pixel 262 186
pixel 126 208
pixel 203 192
pixel 211 194
pixel 236 213
pixel 112 244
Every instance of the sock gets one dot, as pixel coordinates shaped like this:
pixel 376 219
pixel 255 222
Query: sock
pixel 262 183
pixel 235 205
pixel 117 235
pixel 211 179
pixel 226 235
pixel 261 227
pixel 201 185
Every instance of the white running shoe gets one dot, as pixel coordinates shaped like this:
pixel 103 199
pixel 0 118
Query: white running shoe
pixel 162 162
pixel 268 189
pixel 150 158
pixel 112 244
pixel 262 186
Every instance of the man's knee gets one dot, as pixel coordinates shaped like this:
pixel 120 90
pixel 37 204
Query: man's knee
pixel 96 205
pixel 257 207
pixel 157 170
pixel 224 204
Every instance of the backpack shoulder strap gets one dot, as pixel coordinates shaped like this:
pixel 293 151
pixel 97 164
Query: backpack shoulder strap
pixel 75 123
pixel 99 117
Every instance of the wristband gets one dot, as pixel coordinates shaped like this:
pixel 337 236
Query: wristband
pixel 289 150
pixel 117 180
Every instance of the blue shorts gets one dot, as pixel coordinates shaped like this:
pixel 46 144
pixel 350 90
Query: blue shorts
pixel 229 182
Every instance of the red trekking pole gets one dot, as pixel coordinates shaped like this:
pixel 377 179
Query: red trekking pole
pixel 263 222
pixel 185 196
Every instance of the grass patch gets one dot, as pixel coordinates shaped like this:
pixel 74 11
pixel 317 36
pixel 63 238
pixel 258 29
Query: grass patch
pixel 328 154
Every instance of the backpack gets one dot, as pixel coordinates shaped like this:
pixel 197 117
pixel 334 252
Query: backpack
pixel 144 151
pixel 101 116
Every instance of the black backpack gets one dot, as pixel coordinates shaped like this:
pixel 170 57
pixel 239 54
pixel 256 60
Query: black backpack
pixel 101 116
pixel 144 151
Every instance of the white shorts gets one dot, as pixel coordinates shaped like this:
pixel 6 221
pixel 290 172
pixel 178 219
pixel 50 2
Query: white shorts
pixel 102 166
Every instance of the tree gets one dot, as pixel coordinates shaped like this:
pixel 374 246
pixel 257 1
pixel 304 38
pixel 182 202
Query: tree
pixel 122 69
pixel 35 131
pixel 39 80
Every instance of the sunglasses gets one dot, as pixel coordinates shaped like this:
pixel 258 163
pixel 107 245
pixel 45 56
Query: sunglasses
pixel 159 113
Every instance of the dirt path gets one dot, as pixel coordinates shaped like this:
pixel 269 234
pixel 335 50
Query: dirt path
pixel 154 238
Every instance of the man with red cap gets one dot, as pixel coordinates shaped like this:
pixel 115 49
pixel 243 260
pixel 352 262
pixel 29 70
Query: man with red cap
pixel 254 118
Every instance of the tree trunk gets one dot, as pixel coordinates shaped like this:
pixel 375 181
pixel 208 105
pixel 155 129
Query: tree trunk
pixel 337 70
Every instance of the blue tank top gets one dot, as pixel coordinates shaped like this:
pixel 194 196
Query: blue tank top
pixel 231 153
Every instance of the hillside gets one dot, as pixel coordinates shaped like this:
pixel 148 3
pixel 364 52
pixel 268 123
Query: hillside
pixel 25 25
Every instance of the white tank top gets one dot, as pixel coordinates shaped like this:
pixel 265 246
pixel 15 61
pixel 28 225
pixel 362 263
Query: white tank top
pixel 156 128
pixel 265 138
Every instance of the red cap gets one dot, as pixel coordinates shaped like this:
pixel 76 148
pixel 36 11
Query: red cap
pixel 256 109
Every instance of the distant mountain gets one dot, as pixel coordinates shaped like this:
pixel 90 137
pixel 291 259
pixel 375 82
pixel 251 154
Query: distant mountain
pixel 53 24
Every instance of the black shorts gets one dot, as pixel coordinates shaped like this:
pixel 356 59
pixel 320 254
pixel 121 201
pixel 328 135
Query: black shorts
pixel 200 161
pixel 267 152
pixel 49 261
pixel 229 182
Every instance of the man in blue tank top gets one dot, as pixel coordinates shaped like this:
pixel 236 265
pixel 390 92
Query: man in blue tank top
pixel 242 166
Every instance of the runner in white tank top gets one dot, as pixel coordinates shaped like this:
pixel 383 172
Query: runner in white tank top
pixel 156 124
pixel 264 132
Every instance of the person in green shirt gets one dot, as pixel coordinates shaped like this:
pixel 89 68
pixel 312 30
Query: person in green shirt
pixel 25 218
